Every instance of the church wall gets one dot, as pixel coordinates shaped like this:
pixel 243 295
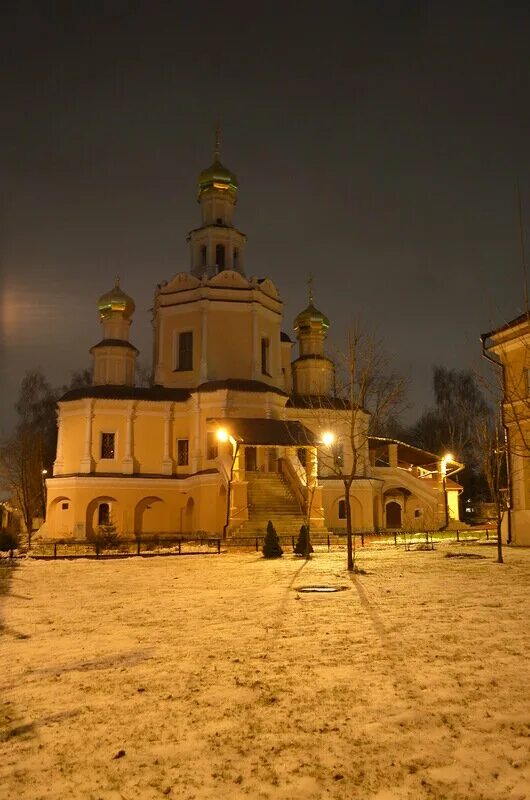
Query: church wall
pixel 173 322
pixel 108 421
pixel 149 441
pixel 72 435
pixel 147 505
pixel 229 341
pixel 360 501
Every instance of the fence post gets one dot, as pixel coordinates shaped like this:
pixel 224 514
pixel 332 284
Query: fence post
pixel 487 535
pixel 257 548
pixel 97 550
pixel 328 544
pixel 55 549
pixel 457 535
pixel 138 546
pixel 292 541
pixel 180 546
pixel 362 538
pixel 395 538
pixel 219 547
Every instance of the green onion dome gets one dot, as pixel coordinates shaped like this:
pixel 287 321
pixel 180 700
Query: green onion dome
pixel 116 301
pixel 309 317
pixel 217 177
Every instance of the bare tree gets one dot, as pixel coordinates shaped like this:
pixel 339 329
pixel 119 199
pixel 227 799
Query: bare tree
pixel 489 440
pixel 368 394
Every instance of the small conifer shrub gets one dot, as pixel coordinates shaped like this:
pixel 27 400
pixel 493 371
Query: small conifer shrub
pixel 271 545
pixel 301 546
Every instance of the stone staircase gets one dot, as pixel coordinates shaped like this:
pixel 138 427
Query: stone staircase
pixel 271 498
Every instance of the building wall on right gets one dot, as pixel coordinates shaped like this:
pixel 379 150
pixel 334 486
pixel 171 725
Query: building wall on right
pixel 509 348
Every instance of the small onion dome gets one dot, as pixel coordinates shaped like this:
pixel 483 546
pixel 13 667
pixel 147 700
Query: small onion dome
pixel 116 301
pixel 219 178
pixel 309 317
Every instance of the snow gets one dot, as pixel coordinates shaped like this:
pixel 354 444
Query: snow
pixel 212 677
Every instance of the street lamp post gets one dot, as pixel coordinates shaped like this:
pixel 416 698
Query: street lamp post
pixel 445 460
pixel 223 436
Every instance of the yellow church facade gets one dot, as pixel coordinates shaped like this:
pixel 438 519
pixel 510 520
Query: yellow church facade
pixel 229 434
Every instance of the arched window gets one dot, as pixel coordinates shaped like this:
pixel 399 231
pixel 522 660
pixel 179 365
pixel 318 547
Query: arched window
pixel 236 258
pixel 203 255
pixel 220 257
pixel 103 514
pixel 342 509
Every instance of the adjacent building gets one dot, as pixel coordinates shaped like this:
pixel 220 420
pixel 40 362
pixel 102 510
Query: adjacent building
pixel 509 348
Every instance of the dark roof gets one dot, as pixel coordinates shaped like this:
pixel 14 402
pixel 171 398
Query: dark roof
pixel 261 431
pixel 507 325
pixel 127 393
pixel 239 385
pixel 165 393
pixel 114 343
pixel 285 338
pixel 314 356
pixel 317 402
pixel 408 453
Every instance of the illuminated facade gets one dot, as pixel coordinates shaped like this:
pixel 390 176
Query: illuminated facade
pixel 509 347
pixel 230 420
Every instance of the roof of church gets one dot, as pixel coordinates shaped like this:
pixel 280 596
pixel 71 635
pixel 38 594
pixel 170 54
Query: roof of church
pixel 165 393
pixel 317 402
pixel 260 431
pixel 239 385
pixel 115 343
pixel 127 393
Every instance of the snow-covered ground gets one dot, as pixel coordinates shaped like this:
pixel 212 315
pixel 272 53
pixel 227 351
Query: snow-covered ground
pixel 212 677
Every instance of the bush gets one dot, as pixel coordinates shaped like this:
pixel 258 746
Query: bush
pixel 301 546
pixel 106 537
pixel 9 540
pixel 271 545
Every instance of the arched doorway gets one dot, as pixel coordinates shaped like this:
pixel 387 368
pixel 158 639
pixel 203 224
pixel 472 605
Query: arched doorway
pixel 100 511
pixel 393 515
pixel 60 516
pixel 150 516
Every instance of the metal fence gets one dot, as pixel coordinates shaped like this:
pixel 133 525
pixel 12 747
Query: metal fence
pixel 167 545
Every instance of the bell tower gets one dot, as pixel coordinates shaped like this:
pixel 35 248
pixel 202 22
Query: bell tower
pixel 217 245
pixel 313 372
pixel 114 358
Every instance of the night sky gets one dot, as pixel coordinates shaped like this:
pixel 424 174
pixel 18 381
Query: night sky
pixel 378 145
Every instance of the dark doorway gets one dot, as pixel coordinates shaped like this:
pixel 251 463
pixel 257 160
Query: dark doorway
pixel 393 515
pixel 251 462
pixel 272 461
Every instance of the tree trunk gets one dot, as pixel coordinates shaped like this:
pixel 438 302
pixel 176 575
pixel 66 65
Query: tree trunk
pixel 349 534
pixel 500 514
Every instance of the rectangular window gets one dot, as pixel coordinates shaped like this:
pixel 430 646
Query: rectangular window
pixel 185 353
pixel 64 506
pixel 265 357
pixel 211 446
pixel 107 445
pixel 182 452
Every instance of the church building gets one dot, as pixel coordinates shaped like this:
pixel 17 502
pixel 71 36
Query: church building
pixel 236 428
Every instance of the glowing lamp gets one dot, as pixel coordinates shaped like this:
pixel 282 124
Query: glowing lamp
pixel 328 438
pixel 222 435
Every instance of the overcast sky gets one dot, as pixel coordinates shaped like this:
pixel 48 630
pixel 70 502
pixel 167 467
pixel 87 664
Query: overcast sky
pixel 378 145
